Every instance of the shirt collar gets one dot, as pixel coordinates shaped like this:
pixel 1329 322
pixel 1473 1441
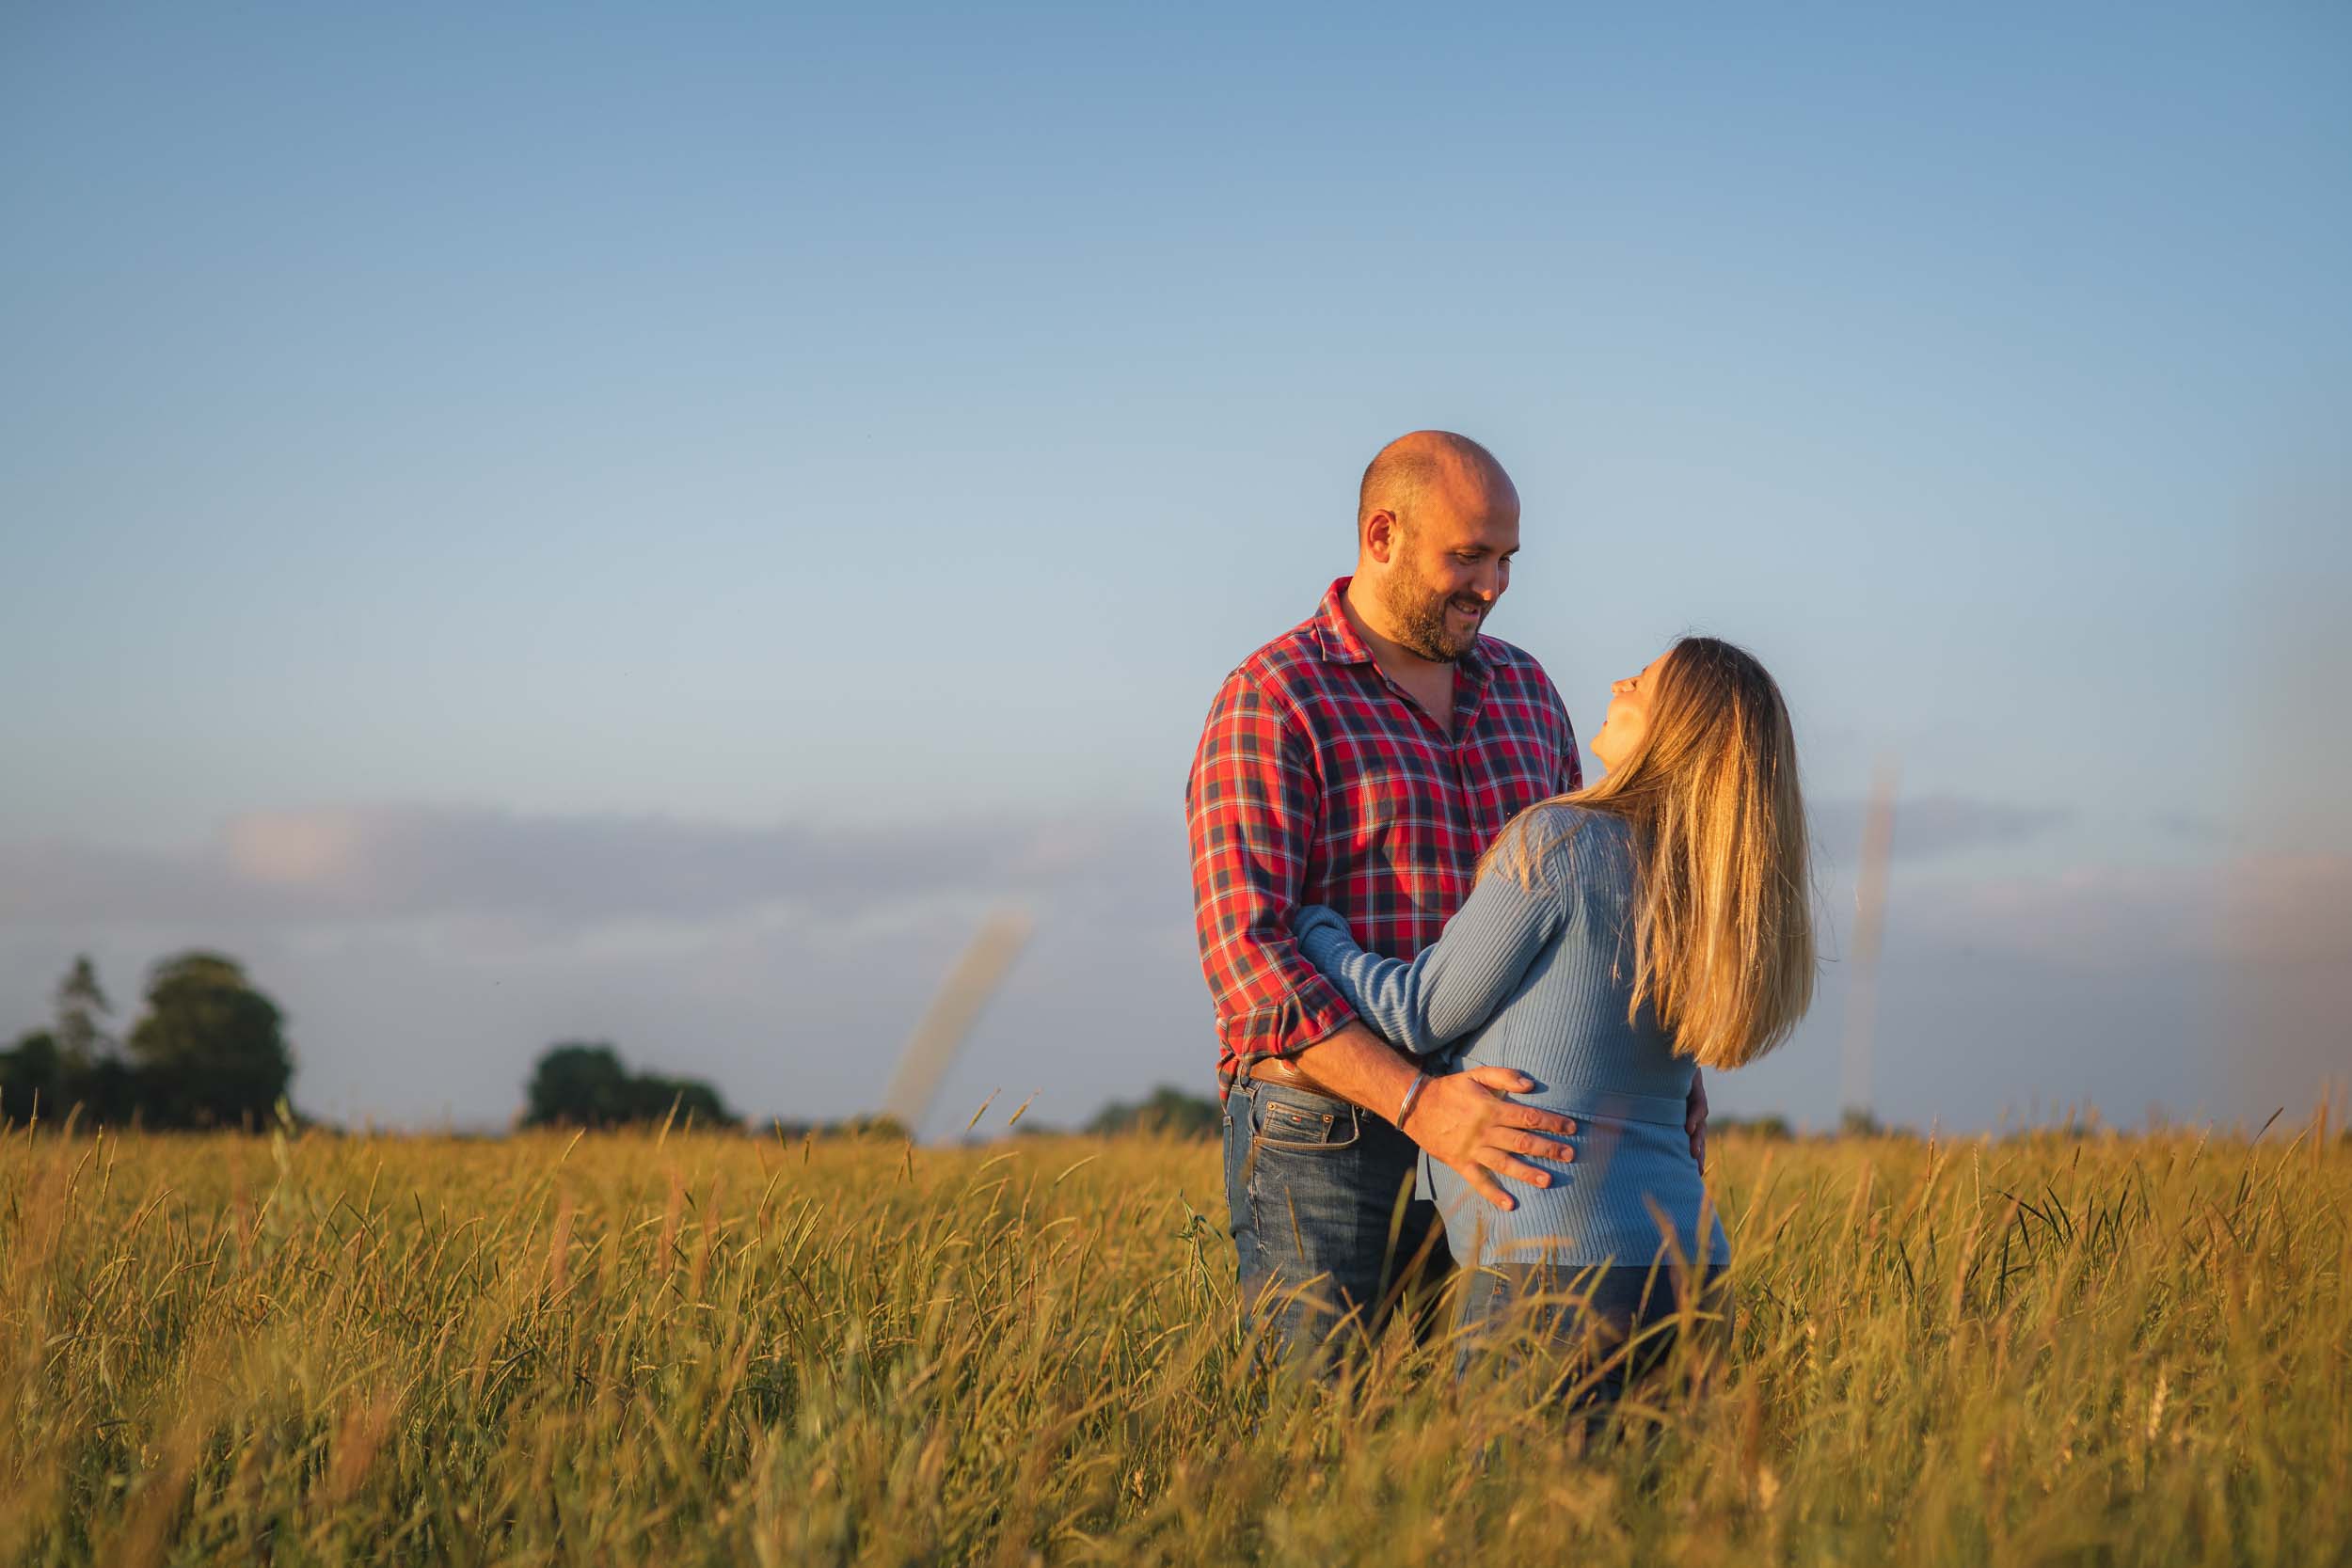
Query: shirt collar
pixel 1343 645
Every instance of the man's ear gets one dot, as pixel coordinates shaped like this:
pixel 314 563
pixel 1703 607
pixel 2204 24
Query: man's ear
pixel 1380 536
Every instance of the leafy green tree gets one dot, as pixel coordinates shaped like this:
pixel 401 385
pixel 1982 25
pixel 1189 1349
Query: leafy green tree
pixel 81 1003
pixel 211 1048
pixel 578 1085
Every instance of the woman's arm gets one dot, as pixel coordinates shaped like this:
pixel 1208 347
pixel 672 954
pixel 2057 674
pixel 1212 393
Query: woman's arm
pixel 1456 982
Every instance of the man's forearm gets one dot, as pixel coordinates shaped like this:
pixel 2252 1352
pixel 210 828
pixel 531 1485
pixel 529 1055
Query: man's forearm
pixel 1463 1119
pixel 1358 1065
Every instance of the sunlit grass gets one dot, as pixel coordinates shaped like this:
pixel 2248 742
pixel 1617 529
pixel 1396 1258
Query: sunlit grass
pixel 706 1349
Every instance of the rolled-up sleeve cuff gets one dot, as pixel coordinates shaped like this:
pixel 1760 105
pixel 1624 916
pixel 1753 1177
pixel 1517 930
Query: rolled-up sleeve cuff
pixel 1286 1027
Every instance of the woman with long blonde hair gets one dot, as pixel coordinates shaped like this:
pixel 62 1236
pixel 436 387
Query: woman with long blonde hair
pixel 1617 938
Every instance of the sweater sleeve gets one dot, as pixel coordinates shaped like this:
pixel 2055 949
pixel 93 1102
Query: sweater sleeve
pixel 1458 980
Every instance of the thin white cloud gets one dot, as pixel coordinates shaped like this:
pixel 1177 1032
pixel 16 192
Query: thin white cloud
pixel 394 863
pixel 1930 826
pixel 425 955
pixel 408 862
pixel 2252 909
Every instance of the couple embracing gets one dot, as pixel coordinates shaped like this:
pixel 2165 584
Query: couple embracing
pixel 1464 1001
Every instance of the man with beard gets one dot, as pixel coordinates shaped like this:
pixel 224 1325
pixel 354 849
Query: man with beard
pixel 1363 760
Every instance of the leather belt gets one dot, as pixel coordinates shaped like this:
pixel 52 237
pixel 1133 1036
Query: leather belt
pixel 1275 1069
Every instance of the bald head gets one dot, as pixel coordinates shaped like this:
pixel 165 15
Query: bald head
pixel 1433 466
pixel 1437 524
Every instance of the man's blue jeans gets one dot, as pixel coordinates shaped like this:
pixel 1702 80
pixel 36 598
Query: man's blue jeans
pixel 1331 1240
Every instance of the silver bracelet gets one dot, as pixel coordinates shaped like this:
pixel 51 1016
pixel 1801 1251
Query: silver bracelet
pixel 1420 1081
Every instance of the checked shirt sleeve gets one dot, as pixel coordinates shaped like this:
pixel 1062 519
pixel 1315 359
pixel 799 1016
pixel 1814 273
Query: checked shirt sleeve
pixel 1252 805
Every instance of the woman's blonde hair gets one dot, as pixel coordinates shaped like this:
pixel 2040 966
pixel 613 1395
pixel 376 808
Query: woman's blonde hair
pixel 1722 915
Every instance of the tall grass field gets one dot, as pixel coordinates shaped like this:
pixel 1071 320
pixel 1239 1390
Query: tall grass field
pixel 684 1348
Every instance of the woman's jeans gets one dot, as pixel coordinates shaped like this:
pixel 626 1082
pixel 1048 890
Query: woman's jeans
pixel 1332 1241
pixel 1612 1325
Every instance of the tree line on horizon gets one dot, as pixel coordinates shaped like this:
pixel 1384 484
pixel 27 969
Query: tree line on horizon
pixel 210 1052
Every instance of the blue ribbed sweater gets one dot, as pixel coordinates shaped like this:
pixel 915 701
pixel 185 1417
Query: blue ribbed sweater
pixel 1539 981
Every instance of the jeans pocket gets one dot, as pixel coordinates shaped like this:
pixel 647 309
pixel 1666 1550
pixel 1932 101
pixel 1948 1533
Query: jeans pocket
pixel 1290 1120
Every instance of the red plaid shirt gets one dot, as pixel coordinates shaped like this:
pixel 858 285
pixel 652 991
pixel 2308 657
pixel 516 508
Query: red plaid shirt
pixel 1319 781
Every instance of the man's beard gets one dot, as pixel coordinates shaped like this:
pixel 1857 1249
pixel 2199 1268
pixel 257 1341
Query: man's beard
pixel 1417 613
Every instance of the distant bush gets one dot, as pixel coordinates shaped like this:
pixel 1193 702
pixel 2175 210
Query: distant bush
pixel 1771 1129
pixel 1854 1123
pixel 889 1128
pixel 577 1085
pixel 1169 1110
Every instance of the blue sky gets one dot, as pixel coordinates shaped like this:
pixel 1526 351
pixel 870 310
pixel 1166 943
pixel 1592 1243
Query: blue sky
pixel 547 445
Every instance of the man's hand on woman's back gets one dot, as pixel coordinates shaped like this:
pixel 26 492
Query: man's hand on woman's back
pixel 1464 1121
